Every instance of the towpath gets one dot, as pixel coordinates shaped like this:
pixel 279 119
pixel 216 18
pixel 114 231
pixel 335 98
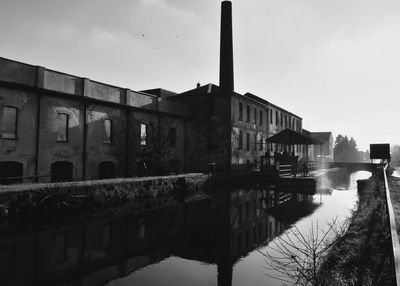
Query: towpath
pixel 394 187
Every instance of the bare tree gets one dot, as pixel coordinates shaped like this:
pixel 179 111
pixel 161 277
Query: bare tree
pixel 296 258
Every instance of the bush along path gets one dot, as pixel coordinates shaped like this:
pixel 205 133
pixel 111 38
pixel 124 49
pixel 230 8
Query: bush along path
pixel 363 255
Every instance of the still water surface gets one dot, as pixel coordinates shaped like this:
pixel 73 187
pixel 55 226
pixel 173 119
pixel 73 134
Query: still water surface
pixel 247 268
pixel 208 240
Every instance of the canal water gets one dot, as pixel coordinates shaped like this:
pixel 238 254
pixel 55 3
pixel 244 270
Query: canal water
pixel 215 239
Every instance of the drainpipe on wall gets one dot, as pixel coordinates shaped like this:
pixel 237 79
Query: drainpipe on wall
pixel 39 84
pixel 185 149
pixel 85 93
pixel 127 169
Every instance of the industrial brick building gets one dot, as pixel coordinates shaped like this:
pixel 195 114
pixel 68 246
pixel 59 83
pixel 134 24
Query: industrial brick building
pixel 230 130
pixel 56 127
pixel 72 128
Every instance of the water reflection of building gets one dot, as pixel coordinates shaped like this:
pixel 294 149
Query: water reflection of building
pixel 251 223
pixel 217 231
pixel 93 251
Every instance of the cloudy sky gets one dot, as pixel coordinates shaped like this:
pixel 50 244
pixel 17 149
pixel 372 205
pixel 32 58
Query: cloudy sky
pixel 334 63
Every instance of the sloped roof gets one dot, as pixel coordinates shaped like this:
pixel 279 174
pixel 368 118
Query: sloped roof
pixel 262 100
pixel 291 137
pixel 322 136
pixel 207 88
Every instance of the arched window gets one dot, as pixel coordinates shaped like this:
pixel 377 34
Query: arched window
pixel 11 172
pixel 106 170
pixel 61 171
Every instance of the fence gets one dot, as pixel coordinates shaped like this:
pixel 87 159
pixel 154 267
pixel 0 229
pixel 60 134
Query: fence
pixel 393 230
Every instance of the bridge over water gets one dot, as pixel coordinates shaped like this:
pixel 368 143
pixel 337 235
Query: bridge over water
pixel 370 167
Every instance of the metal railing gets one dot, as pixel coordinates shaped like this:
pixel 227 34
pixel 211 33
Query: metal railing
pixel 393 231
pixel 285 170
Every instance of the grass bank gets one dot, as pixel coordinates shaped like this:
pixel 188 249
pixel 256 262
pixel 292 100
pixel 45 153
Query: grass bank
pixel 363 255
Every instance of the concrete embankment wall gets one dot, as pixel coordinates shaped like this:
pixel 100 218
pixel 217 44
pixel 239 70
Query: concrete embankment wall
pixel 99 193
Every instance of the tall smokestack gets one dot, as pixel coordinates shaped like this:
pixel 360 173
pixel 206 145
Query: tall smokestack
pixel 226 48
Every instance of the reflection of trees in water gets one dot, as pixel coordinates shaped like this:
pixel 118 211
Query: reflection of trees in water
pixel 339 180
pixel 296 256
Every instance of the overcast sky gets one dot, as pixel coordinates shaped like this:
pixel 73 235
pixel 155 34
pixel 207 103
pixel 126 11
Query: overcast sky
pixel 335 63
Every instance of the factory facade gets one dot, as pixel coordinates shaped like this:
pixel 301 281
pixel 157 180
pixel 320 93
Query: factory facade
pixel 55 126
pixel 58 127
pixel 231 130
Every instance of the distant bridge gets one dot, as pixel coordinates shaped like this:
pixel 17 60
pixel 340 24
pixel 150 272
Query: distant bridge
pixel 352 167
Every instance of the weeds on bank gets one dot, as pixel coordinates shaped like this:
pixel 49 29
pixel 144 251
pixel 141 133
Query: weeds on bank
pixel 363 255
pixel 70 198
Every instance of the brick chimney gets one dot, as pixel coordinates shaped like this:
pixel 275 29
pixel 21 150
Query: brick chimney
pixel 226 48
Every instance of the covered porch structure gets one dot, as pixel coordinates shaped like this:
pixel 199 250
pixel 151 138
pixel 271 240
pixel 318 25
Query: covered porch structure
pixel 283 156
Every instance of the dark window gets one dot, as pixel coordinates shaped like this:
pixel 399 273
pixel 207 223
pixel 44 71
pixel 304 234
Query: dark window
pixel 9 122
pixel 105 236
pixel 107 130
pixel 276 118
pixel 61 171
pixel 11 172
pixel 271 121
pixel 248 141
pixel 106 170
pixel 248 113
pixel 261 143
pixel 60 248
pixel 172 137
pixel 261 118
pixel 143 134
pixel 240 111
pixel 212 106
pixel 240 147
pixel 255 116
pixel 255 141
pixel 294 124
pixel 62 127
pixel 281 119
pixel 7 263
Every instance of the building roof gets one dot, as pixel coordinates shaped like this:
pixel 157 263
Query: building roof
pixel 207 88
pixel 259 99
pixel 160 92
pixel 291 137
pixel 212 88
pixel 322 136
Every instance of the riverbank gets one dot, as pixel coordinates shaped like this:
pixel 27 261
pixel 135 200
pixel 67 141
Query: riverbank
pixel 363 255
pixel 86 196
pixel 394 187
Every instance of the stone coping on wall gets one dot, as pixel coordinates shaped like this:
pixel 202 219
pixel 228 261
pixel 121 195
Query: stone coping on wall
pixel 40 186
